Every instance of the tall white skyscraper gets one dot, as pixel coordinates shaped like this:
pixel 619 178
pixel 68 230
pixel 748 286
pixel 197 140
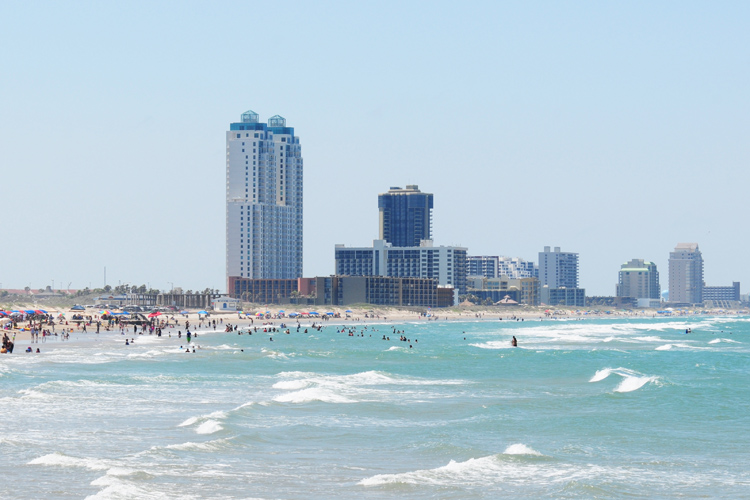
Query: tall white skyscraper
pixel 264 200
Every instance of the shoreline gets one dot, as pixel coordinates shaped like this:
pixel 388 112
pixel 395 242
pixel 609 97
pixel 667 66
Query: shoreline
pixel 359 316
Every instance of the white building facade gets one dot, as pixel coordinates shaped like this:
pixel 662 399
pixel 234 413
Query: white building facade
pixel 558 269
pixel 264 199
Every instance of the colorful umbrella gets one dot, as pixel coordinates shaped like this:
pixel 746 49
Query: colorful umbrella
pixel 154 314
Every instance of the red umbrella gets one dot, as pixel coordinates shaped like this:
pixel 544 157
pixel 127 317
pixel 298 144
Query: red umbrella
pixel 154 314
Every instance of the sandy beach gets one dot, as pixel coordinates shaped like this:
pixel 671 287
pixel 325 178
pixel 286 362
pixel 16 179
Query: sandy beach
pixel 273 317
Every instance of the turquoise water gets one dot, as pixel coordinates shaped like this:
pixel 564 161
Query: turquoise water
pixel 618 408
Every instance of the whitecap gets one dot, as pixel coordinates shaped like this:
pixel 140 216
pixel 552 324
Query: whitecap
pixel 521 449
pixel 630 384
pixel 60 460
pixel 209 427
pixel 188 422
pixel 664 347
pixel 632 380
pixel 601 375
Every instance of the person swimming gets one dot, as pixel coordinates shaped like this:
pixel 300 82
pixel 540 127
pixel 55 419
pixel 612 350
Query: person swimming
pixel 514 342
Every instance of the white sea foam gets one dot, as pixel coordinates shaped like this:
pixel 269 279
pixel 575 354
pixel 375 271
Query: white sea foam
pixel 292 385
pixel 521 449
pixel 188 422
pixel 212 446
pixel 632 380
pixel 664 347
pixel 395 348
pixel 729 341
pixel 60 460
pixel 115 488
pixel 313 394
pixel 494 344
pixel 630 384
pixel 484 470
pixel 209 427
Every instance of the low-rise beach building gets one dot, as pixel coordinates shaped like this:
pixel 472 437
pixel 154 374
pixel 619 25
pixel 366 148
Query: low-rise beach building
pixel 446 264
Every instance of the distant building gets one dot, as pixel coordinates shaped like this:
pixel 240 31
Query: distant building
pixel 729 293
pixel 563 296
pixel 522 290
pixel 226 304
pixel 686 274
pixel 445 264
pixel 517 268
pixel 405 216
pixel 639 279
pixel 558 277
pixel 263 200
pixel 380 290
pixel 558 269
pixel 490 266
pixel 483 265
pixel 270 291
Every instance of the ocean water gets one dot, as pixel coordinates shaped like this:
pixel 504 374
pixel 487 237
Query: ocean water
pixel 615 408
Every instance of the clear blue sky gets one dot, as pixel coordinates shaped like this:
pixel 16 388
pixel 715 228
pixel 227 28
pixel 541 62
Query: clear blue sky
pixel 611 129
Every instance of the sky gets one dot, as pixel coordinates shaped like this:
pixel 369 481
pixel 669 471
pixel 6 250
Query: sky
pixel 611 129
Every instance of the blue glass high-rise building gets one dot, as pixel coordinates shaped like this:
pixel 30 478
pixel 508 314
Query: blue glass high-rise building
pixel 405 216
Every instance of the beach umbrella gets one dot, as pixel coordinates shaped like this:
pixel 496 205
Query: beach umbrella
pixel 291 315
pixel 259 314
pixel 348 310
pixel 281 311
pixel 183 312
pixel 329 313
pixel 29 311
pixel 126 313
pixel 154 314
pixel 40 311
pixel 313 313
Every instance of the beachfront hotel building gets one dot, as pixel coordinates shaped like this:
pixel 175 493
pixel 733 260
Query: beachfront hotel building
pixel 446 264
pixel 558 276
pixel 638 279
pixel 558 269
pixel 491 266
pixel 483 265
pixel 264 200
pixel 405 216
pixel 686 274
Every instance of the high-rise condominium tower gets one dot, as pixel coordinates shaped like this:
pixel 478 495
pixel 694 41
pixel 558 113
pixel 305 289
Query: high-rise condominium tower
pixel 264 199
pixel 558 269
pixel 686 274
pixel 639 279
pixel 405 216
